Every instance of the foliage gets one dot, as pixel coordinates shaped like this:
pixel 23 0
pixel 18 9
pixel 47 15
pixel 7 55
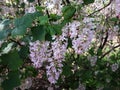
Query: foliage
pixel 69 40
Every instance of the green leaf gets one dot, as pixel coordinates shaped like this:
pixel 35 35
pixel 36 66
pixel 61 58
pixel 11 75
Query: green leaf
pixel 4 24
pixel 74 85
pixel 99 52
pixel 39 8
pixel 4 34
pixel 54 29
pixel 51 30
pixel 48 37
pixel 43 20
pixel 19 31
pixel 30 71
pixel 65 21
pixel 54 17
pixel 24 51
pixel 38 33
pixel 91 51
pixel 12 60
pixel 1 27
pixel 65 8
pixel 68 12
pixel 86 2
pixel 114 19
pixel 67 71
pixel 4 29
pixel 8 48
pixel 26 39
pixel 21 24
pixel 12 81
pixel 58 29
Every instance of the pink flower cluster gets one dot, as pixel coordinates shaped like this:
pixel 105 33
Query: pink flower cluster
pixel 83 41
pixel 53 53
pixel 81 37
pixel 38 53
pixel 54 69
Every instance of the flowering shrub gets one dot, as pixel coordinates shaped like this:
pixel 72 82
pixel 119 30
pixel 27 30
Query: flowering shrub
pixel 74 42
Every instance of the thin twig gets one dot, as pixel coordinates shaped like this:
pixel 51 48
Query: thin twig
pixel 63 2
pixel 105 40
pixel 39 2
pixel 101 8
pixel 47 12
pixel 109 51
pixel 68 2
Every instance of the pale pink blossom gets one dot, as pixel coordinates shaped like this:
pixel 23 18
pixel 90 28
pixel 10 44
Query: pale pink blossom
pixel 117 8
pixel 30 9
pixel 114 67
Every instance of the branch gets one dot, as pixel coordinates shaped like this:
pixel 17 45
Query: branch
pixel 68 2
pixel 39 2
pixel 48 13
pixel 17 42
pixel 101 8
pixel 105 40
pixel 109 51
pixel 63 2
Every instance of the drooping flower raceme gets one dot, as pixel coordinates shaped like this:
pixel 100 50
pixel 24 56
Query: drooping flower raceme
pixel 38 53
pixel 54 68
pixel 58 48
pixel 82 42
pixel 74 29
pixel 53 53
pixel 81 37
